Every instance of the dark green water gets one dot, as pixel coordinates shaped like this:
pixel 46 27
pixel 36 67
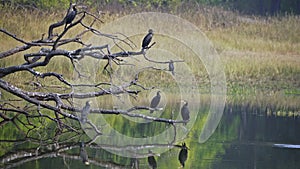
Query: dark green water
pixel 248 136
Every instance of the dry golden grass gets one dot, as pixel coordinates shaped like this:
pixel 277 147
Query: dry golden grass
pixel 257 52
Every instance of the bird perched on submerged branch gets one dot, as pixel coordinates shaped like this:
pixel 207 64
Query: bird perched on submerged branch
pixel 183 154
pixel 85 111
pixel 185 112
pixel 147 39
pixel 155 101
pixel 71 15
pixel 83 154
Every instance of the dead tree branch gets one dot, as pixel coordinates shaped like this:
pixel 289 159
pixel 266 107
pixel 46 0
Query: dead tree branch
pixel 43 105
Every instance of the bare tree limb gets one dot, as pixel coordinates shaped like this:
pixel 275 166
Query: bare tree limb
pixel 44 104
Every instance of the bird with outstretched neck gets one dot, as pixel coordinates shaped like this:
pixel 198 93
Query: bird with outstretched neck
pixel 147 39
pixel 155 101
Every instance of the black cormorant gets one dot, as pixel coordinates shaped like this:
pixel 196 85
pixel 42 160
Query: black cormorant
pixel 185 113
pixel 85 111
pixel 171 67
pixel 71 15
pixel 151 161
pixel 147 39
pixel 83 154
pixel 183 154
pixel 155 101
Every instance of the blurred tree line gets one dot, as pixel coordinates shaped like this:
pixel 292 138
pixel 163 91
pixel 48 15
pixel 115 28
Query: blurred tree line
pixel 257 7
pixel 263 7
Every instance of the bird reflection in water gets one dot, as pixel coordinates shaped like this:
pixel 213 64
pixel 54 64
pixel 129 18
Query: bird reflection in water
pixel 83 154
pixel 135 163
pixel 151 161
pixel 183 154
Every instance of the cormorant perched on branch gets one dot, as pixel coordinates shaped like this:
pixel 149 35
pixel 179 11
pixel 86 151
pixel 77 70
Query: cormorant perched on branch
pixel 147 39
pixel 155 101
pixel 85 111
pixel 171 67
pixel 183 154
pixel 185 113
pixel 71 15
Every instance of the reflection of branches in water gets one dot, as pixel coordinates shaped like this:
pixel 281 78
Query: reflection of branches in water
pixel 56 142
pixel 25 156
pixel 53 150
pixel 60 145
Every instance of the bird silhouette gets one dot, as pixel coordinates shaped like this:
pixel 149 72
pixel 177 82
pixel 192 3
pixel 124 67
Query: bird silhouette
pixel 171 67
pixel 85 111
pixel 185 112
pixel 147 39
pixel 71 15
pixel 151 161
pixel 83 154
pixel 155 101
pixel 183 154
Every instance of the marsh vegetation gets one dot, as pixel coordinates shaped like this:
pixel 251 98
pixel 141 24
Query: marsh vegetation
pixel 261 58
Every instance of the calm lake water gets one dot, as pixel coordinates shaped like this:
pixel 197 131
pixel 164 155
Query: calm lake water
pixel 247 137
